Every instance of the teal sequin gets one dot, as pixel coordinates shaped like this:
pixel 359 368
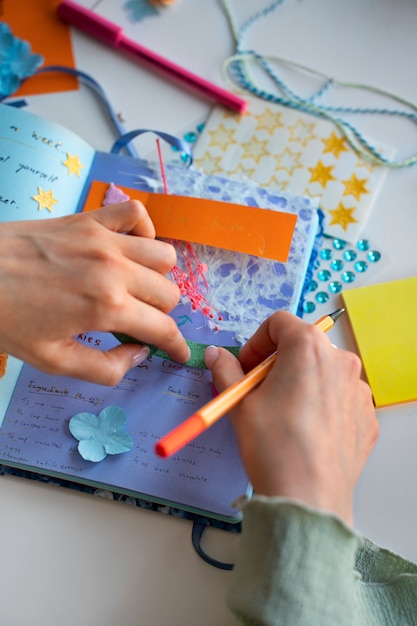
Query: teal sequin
pixel 374 256
pixel 337 265
pixel 348 277
pixel 190 137
pixel 349 255
pixel 339 244
pixel 335 286
pixel 309 307
pixel 324 275
pixel 354 260
pixel 322 297
pixel 361 266
pixel 363 244
pixel 326 254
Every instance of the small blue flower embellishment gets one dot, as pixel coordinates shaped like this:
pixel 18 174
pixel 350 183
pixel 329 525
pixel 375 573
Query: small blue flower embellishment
pixel 139 9
pixel 101 435
pixel 16 61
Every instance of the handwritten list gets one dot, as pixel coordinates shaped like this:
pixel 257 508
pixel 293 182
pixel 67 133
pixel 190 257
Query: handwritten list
pixel 206 475
pixel 43 166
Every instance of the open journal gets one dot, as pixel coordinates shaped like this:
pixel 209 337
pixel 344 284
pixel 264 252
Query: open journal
pixel 258 247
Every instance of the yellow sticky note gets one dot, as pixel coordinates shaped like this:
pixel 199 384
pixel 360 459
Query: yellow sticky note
pixel 383 319
pixel 246 229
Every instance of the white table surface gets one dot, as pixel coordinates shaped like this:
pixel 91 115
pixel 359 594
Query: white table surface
pixel 73 559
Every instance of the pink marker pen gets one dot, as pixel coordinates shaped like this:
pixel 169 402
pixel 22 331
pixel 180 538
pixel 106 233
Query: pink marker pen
pixel 112 35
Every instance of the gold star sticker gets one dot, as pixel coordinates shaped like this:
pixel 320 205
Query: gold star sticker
pixel 247 171
pixel 269 121
pixel 231 115
pixel 288 160
pixel 366 165
pixel 276 182
pixel 321 173
pixel 221 137
pixel 355 186
pixel 255 149
pixel 45 199
pixel 73 164
pixel 210 164
pixel 342 216
pixel 302 132
pixel 335 145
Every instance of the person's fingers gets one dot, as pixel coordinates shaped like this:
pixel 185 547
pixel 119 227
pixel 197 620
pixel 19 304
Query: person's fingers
pixel 137 242
pixel 225 368
pixel 151 287
pixel 151 253
pixel 143 320
pixel 266 338
pixel 127 217
pixel 96 366
pixel 280 327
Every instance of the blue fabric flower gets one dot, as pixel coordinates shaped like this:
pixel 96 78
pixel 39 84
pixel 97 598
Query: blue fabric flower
pixel 101 435
pixel 139 9
pixel 16 61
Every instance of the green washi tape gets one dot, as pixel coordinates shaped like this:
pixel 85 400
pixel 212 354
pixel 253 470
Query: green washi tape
pixel 196 349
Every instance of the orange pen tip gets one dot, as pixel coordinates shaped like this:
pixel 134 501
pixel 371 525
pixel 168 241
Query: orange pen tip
pixel 180 436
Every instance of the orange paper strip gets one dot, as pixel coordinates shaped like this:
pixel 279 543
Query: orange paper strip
pixel 250 230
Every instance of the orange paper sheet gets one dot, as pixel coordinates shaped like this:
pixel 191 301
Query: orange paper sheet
pixel 383 322
pixel 36 22
pixel 250 230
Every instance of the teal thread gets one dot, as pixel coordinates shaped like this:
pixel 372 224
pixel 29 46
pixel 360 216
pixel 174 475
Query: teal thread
pixel 235 69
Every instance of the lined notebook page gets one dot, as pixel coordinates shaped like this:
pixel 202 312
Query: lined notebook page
pixel 206 475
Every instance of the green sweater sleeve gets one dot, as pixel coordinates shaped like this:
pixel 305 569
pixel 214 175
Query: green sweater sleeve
pixel 297 566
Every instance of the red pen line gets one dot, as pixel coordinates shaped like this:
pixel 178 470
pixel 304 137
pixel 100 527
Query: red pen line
pixel 161 164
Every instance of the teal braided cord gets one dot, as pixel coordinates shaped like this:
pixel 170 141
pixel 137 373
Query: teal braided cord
pixel 256 18
pixel 230 17
pixel 196 350
pixel 330 82
pixel 237 67
pixel 354 137
pixel 239 34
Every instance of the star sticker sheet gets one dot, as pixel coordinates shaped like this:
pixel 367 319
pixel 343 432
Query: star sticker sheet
pixel 280 148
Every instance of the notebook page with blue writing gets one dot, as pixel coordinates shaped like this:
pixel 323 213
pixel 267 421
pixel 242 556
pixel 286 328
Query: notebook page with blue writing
pixel 205 477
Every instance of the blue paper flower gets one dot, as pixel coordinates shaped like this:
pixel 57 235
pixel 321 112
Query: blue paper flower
pixel 16 61
pixel 101 435
pixel 139 9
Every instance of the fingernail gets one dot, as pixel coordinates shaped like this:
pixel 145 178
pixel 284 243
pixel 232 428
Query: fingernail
pixel 140 356
pixel 210 356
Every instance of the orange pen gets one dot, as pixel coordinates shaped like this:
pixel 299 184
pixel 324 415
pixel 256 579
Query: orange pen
pixel 223 402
